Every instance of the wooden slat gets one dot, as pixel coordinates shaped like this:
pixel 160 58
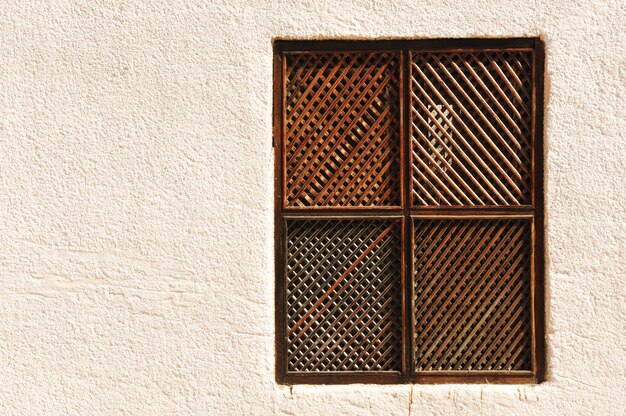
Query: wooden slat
pixel 471 117
pixel 342 141
pixel 344 295
pixel 472 285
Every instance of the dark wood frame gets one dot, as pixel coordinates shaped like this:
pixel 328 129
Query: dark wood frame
pixel 535 212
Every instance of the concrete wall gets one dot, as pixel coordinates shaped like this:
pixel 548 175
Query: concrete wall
pixel 136 265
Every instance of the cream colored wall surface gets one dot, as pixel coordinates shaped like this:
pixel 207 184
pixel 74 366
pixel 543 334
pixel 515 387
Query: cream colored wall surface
pixel 136 258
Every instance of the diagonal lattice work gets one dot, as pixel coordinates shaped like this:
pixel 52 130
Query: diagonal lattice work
pixel 472 295
pixel 344 295
pixel 342 129
pixel 471 127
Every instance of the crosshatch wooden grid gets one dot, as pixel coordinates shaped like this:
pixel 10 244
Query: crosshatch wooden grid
pixel 409 211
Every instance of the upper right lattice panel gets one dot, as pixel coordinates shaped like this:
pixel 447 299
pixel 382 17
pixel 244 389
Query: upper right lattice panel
pixel 471 129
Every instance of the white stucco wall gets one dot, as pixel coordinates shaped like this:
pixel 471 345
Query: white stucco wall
pixel 136 264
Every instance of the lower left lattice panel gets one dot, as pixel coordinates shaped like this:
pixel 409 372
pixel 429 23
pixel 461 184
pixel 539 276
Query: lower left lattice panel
pixel 344 296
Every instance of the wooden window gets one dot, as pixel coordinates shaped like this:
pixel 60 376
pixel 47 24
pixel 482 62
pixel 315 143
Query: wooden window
pixel 409 211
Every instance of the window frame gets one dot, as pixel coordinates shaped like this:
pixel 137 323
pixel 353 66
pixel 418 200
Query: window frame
pixel 407 213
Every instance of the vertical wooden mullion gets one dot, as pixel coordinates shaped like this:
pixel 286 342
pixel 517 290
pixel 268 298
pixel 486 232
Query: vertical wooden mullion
pixel 533 230
pixel 407 247
pixel 538 267
pixel 280 231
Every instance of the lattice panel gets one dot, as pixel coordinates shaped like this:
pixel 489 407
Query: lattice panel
pixel 342 134
pixel 472 295
pixel 344 295
pixel 471 116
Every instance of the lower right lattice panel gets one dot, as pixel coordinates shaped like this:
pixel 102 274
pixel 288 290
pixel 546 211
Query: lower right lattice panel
pixel 472 295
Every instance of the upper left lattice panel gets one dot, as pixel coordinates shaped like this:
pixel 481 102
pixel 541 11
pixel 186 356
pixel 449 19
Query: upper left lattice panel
pixel 342 130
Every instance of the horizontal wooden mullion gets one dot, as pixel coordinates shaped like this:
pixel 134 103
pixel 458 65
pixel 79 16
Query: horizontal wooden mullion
pixel 391 45
pixel 342 208
pixel 344 377
pixel 474 215
pixel 355 49
pixel 425 377
pixel 342 213
pixel 470 49
pixel 473 212
pixel 475 377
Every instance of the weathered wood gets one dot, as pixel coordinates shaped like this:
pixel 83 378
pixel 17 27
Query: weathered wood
pixel 342 140
pixel 344 295
pixel 409 211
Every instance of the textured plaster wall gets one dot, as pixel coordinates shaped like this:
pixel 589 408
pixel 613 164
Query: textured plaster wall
pixel 136 265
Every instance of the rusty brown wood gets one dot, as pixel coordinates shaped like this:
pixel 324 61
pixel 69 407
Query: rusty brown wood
pixel 332 316
pixel 435 71
pixel 409 211
pixel 338 281
pixel 345 141
pixel 451 321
